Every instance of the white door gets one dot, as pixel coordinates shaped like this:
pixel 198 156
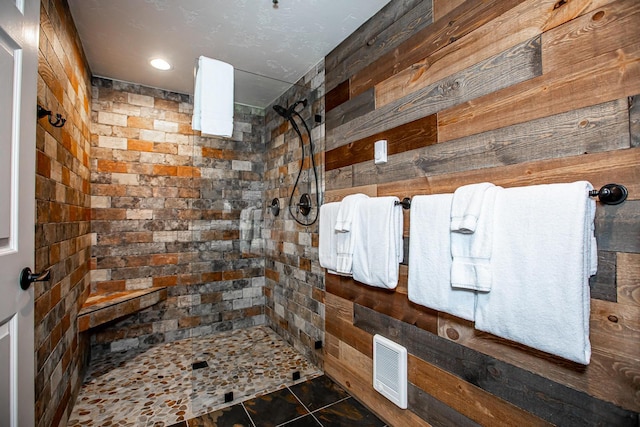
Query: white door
pixel 19 31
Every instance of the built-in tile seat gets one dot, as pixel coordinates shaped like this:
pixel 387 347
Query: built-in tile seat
pixel 104 307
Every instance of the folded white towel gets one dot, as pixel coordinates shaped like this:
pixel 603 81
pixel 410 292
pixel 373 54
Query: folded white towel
pixel 430 258
pixel 213 98
pixel 466 206
pixel 471 252
pixel 378 249
pixel 327 249
pixel 345 239
pixel 541 262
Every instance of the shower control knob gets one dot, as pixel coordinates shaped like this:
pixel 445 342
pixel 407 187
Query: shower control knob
pixel 304 206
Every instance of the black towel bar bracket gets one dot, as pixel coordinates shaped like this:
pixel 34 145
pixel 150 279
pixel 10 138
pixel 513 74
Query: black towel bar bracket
pixel 405 203
pixel 610 194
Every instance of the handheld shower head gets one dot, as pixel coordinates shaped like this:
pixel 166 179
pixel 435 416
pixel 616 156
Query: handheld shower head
pixel 282 111
pixel 287 112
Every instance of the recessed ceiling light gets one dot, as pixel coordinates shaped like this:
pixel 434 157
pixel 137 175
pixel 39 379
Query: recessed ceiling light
pixel 160 64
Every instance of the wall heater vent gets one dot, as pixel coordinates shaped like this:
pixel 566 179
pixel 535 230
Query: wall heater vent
pixel 390 370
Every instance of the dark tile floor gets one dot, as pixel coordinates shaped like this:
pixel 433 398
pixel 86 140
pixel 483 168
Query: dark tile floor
pixel 317 402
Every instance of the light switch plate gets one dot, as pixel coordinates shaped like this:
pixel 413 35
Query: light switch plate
pixel 380 152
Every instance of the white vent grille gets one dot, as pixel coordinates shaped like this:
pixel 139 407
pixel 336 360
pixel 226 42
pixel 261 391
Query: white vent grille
pixel 390 370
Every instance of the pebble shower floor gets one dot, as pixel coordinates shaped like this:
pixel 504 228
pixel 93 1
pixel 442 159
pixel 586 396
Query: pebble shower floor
pixel 167 384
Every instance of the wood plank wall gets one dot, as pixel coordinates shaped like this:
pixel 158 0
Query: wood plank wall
pixel 515 93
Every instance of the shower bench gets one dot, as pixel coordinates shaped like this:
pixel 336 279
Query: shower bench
pixel 105 307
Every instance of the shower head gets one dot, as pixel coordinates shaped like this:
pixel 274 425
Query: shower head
pixel 287 112
pixel 282 111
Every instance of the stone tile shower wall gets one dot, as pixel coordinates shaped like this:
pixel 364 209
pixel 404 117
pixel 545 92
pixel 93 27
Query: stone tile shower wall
pixel 62 231
pixel 294 280
pixel 168 207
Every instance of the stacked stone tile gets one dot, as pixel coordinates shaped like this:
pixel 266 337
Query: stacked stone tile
pixel 294 278
pixel 62 230
pixel 166 211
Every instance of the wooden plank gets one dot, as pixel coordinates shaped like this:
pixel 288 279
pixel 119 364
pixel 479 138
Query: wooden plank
pixel 603 284
pixel 336 96
pixel 628 269
pixel 340 308
pixel 443 7
pixel 593 129
pixel 338 178
pixel 455 392
pixel 601 168
pixel 615 330
pixel 466 18
pixel 591 35
pixel 434 411
pixel 549 400
pixel 342 328
pixel 389 302
pixel 614 74
pixel 634 120
pixel 516 25
pixel 396 22
pixel 406 137
pixel 351 109
pixel 338 195
pixel 518 64
pixel 331 345
pixel 618 227
pixel 368 31
pixel 607 377
pixel 357 380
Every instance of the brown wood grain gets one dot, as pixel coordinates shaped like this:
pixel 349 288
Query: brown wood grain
pixel 396 22
pixel 634 120
pixel 453 26
pixel 388 302
pixel 486 409
pixel 518 24
pixel 338 195
pixel 336 96
pixel 607 377
pixel 628 278
pixel 351 109
pixel 572 83
pixel 442 7
pixel 549 399
pixel 578 120
pixel 615 330
pixel 406 137
pixel 620 166
pixel 338 178
pixel 339 323
pixel 517 64
pixel 598 128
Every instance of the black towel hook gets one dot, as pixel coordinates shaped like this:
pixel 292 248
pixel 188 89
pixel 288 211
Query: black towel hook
pixel 58 122
pixel 610 194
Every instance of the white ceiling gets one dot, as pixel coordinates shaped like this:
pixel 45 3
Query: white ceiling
pixel 282 42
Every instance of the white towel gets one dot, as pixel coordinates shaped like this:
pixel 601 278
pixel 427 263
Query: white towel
pixel 327 249
pixel 345 239
pixel 466 206
pixel 471 252
pixel 213 98
pixel 541 263
pixel 378 247
pixel 430 258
